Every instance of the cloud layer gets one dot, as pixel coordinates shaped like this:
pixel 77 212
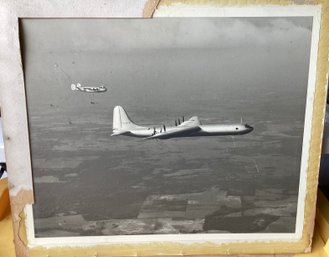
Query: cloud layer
pixel 138 35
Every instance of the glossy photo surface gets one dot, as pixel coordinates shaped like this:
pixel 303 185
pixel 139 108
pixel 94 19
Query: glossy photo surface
pixel 167 125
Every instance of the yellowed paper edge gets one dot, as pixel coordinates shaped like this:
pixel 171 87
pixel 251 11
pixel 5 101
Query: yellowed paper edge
pixel 150 8
pixel 207 249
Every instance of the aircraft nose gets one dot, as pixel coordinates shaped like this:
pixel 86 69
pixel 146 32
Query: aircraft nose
pixel 250 128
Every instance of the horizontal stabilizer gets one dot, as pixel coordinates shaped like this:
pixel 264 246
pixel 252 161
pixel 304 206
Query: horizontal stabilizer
pixel 118 133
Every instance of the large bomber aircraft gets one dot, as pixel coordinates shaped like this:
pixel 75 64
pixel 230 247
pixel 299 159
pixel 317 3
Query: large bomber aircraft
pixel 122 125
pixel 86 89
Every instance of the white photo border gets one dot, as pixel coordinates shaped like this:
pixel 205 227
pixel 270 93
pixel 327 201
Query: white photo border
pixel 190 10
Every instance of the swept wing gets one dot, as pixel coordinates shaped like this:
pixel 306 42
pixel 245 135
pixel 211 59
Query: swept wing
pixel 186 128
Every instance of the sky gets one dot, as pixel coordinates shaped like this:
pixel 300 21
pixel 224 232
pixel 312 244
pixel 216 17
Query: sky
pixel 137 34
pixel 135 56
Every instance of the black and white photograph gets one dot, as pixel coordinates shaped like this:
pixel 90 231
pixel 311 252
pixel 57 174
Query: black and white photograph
pixel 166 125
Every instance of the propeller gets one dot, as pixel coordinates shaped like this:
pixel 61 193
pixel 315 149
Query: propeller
pixel 246 124
pixel 178 121
pixel 164 128
pixel 175 123
pixel 183 119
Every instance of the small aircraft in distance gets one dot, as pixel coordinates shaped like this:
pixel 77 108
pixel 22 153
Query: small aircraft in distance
pixel 122 125
pixel 78 87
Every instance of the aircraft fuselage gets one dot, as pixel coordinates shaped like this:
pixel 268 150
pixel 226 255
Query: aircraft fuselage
pixel 123 125
pixel 205 130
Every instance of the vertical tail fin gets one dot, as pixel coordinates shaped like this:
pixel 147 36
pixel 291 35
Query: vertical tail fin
pixel 121 120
